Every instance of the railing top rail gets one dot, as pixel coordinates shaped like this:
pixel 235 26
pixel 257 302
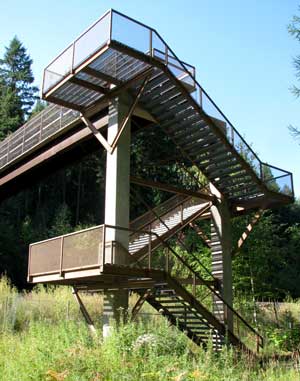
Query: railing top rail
pixel 277 168
pixel 183 64
pixel 78 38
pixel 67 235
pixel 152 212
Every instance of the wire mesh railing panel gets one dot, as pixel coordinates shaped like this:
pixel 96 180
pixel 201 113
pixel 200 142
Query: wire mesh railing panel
pixel 45 256
pixel 75 251
pixel 82 249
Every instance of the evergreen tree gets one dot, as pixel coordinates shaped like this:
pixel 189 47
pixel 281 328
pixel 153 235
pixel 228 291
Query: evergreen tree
pixel 294 30
pixel 17 93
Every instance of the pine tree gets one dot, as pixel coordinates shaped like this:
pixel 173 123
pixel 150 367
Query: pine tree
pixel 17 93
pixel 294 30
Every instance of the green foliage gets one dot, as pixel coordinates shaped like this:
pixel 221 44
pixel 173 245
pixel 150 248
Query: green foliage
pixel 18 92
pixel 294 30
pixel 270 256
pixel 284 339
pixel 43 338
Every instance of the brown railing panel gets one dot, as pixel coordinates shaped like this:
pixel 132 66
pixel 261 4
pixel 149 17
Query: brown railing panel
pixel 82 249
pixel 45 256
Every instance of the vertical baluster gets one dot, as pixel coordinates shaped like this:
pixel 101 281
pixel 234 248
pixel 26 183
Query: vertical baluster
pixel 61 256
pixel 167 260
pixel 60 117
pixel 103 245
pixel 41 126
pixel 73 57
pixel 194 284
pixel 200 97
pixel 23 138
pixel 150 43
pixel 166 56
pixel 149 248
pixel 232 136
pixel 261 170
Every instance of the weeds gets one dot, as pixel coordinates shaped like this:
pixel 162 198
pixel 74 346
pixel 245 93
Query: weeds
pixel 43 338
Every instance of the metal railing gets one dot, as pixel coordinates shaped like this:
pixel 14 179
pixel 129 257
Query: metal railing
pixel 114 26
pixel 158 211
pixel 91 249
pixel 33 133
pixel 69 252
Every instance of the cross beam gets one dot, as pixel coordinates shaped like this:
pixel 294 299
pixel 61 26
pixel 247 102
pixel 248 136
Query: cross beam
pixel 170 188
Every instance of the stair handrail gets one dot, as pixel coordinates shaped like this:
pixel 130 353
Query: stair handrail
pixel 260 340
pixel 163 222
pixel 169 55
pixel 186 264
pixel 152 211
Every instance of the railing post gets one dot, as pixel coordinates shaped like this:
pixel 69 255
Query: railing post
pixel 261 171
pixel 200 98
pixel 103 245
pixel 41 126
pixel 8 146
pixel 194 284
pixel 23 139
pixel 60 117
pixel 181 214
pixel 232 136
pixel 167 259
pixel 150 43
pixel 166 55
pixel 73 57
pixel 110 25
pixel 149 248
pixel 61 256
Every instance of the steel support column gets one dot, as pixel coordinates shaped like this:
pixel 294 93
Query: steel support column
pixel 221 256
pixel 117 192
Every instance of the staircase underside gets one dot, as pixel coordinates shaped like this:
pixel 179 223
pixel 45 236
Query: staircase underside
pixel 168 297
pixel 199 137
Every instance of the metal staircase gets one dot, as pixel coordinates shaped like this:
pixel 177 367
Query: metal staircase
pixel 202 139
pixel 166 88
pixel 165 221
pixel 108 60
pixel 191 314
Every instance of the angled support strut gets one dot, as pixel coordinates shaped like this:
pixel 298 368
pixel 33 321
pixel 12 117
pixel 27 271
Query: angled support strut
pixel 111 147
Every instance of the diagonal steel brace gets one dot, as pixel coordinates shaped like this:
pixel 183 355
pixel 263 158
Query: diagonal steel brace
pixel 111 147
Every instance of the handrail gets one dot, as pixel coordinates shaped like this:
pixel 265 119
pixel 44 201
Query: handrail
pixel 163 222
pixel 184 67
pixel 152 212
pixel 253 330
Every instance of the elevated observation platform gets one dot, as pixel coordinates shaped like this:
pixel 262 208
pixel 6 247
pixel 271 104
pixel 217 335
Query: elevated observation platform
pixel 118 54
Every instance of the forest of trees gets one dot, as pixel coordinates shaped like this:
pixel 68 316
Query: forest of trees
pixel 268 264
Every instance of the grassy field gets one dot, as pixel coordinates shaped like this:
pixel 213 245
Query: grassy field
pixel 43 337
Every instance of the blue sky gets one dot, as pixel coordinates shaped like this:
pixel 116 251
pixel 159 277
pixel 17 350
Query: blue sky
pixel 241 49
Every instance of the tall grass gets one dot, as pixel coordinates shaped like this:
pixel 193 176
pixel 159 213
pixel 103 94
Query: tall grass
pixel 43 337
